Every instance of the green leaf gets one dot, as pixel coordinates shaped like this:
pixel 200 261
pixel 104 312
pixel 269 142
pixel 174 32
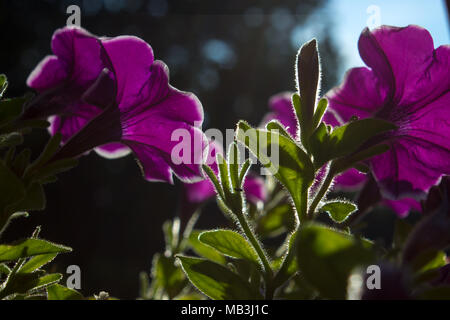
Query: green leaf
pixel 168 276
pixel 22 283
pixel 320 111
pixel 339 211
pixel 401 233
pixel 216 281
pixel 191 296
pixel 3 84
pixel 224 174
pixel 37 262
pixel 229 243
pixel 55 167
pixel 59 292
pixel 307 76
pixel 49 150
pixel 172 234
pixel 34 199
pixel 319 142
pixel 21 161
pixel 12 190
pixel 326 258
pixel 28 248
pixel 233 161
pixel 214 180
pixel 348 138
pixel 22 124
pixel 10 139
pixel 428 260
pixel 276 221
pixel 204 250
pixel 244 170
pixel 289 265
pixel 354 160
pixel 294 168
pixel 276 125
pixel 10 109
pixel 4 269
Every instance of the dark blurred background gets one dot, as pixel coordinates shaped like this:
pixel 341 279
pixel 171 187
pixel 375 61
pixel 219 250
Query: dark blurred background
pixel 232 55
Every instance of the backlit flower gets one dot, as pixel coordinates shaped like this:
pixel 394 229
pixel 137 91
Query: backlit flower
pixel 110 94
pixel 407 83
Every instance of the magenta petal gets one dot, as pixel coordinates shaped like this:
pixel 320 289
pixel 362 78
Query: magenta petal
pixel 113 150
pixel 49 73
pixel 350 179
pixel 153 146
pixel 154 166
pixel 62 79
pixel 110 95
pixel 81 52
pixel 132 59
pixel 417 70
pixel 360 95
pixel 408 84
pixel 254 189
pixel 419 155
pixel 199 192
pixel 69 125
pixel 403 206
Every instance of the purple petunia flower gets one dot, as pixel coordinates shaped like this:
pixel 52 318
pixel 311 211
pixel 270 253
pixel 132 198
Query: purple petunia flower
pixel 109 94
pixel 201 191
pixel 408 84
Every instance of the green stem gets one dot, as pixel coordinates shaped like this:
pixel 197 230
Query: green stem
pixel 301 207
pixel 321 193
pixel 240 214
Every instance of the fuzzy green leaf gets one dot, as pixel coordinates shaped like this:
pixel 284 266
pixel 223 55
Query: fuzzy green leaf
pixel 59 292
pixel 294 168
pixel 10 109
pixel 37 262
pixel 167 275
pixel 326 258
pixel 216 281
pixel 276 221
pixel 12 190
pixel 308 73
pixel 3 84
pixel 204 250
pixel 339 211
pixel 28 248
pixel 229 243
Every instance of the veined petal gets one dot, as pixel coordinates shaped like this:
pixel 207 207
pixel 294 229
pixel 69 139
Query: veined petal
pixel 49 73
pixel 418 71
pixel 359 95
pixel 62 79
pixel 420 152
pixel 350 179
pixel 156 146
pixel 68 125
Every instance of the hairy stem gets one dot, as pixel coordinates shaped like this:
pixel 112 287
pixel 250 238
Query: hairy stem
pixel 240 214
pixel 321 193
